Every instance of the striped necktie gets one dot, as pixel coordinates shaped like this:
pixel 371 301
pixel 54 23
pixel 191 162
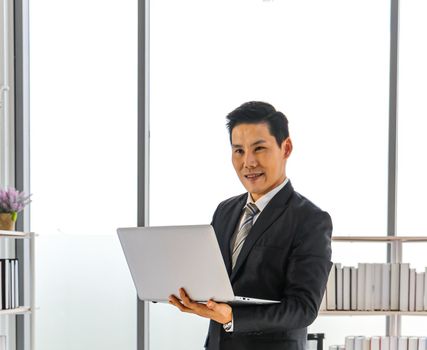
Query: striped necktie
pixel 247 221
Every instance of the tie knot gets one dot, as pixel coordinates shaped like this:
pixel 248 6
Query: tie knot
pixel 251 209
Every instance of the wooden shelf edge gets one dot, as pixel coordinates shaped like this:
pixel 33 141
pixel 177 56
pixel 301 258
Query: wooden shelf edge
pixel 15 234
pixel 372 313
pixel 18 311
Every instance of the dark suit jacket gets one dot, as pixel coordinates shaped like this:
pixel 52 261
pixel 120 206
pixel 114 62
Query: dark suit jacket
pixel 286 257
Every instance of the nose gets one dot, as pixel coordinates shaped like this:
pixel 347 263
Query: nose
pixel 250 160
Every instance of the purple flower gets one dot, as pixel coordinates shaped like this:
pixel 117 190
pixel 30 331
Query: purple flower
pixel 13 201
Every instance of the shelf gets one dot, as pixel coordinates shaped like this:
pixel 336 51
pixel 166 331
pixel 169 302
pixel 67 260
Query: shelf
pixel 15 234
pixel 372 313
pixel 18 311
pixel 387 239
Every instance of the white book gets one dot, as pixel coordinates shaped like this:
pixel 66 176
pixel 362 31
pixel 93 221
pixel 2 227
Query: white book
pixel 425 291
pixel 12 284
pixel 394 286
pixel 346 283
pixel 349 343
pixel 7 279
pixel 412 278
pixel 361 286
pixel 1 285
pixel 422 343
pixel 404 287
pixel 369 287
pixel 358 342
pixel 385 343
pixel 339 289
pixel 331 290
pixel 333 347
pixel 2 342
pixel 353 293
pixel 402 343
pixel 413 343
pixel 16 283
pixel 393 342
pixel 375 343
pixel 419 291
pixel 323 303
pixel 385 297
pixel 341 347
pixel 367 343
pixel 377 286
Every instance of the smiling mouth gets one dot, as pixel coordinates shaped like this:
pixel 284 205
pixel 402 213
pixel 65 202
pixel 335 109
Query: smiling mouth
pixel 253 176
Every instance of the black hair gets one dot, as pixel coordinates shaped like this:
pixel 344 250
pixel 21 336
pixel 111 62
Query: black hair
pixel 255 112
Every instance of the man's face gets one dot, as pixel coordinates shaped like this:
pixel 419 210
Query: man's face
pixel 257 158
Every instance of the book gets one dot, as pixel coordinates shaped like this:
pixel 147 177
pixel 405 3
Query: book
pixel 346 282
pixel 367 343
pixel 394 286
pixel 349 343
pixel 404 287
pixel 422 343
pixel 361 286
pixel 402 343
pixel 323 303
pixel 369 287
pixel 377 286
pixel 353 292
pixel 339 286
pixel 358 343
pixel 1 285
pixel 419 291
pixel 385 343
pixel 413 343
pixel 331 290
pixel 17 283
pixel 12 283
pixel 412 275
pixel 375 343
pixel 385 297
pixel 425 290
pixel 6 284
pixel 393 342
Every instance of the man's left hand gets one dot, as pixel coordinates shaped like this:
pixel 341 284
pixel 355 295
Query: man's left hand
pixel 219 312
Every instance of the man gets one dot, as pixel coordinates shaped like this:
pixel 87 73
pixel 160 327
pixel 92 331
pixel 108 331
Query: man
pixel 276 244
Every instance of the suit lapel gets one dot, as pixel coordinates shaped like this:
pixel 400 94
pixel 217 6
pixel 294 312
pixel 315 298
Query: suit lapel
pixel 230 221
pixel 268 216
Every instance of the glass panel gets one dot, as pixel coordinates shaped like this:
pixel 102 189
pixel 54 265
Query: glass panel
pixel 412 187
pixel 83 170
pixel 325 64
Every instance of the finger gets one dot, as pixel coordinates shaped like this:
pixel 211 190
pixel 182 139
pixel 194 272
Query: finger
pixel 186 299
pixel 211 305
pixel 173 300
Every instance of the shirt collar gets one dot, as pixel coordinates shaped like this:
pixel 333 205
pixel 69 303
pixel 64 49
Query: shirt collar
pixel 262 202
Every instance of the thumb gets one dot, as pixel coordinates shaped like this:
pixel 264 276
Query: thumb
pixel 211 304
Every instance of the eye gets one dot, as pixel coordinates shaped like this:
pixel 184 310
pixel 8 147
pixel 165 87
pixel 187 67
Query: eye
pixel 259 148
pixel 238 151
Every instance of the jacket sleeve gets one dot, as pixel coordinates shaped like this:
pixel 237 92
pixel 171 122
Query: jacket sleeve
pixel 306 275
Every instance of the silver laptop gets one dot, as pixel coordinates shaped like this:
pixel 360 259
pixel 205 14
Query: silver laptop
pixel 163 259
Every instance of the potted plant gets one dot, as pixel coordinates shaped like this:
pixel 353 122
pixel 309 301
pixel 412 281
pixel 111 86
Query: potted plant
pixel 11 203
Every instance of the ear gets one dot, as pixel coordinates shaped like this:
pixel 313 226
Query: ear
pixel 287 147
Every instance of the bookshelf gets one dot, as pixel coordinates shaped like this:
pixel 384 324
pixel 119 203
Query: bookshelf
pixel 396 242
pixel 28 284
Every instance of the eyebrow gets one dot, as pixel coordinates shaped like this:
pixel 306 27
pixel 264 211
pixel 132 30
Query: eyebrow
pixel 254 144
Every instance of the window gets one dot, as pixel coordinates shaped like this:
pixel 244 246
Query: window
pixel 312 60
pixel 83 170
